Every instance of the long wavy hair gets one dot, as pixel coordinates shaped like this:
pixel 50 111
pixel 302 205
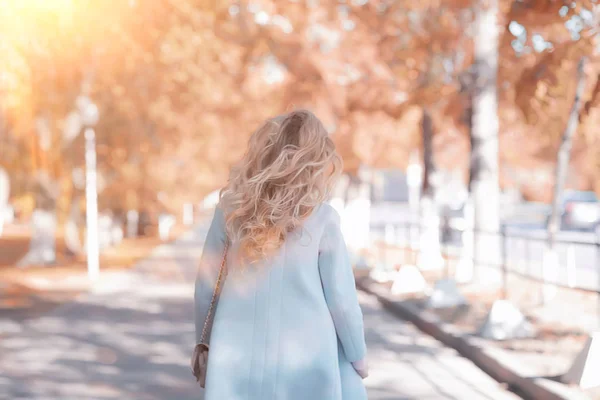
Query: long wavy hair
pixel 288 169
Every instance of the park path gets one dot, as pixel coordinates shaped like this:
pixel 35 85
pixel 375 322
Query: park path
pixel 130 340
pixel 407 364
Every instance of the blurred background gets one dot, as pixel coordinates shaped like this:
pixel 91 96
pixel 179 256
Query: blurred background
pixel 468 128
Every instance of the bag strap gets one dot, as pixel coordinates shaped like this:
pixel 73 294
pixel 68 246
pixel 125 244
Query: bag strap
pixel 216 294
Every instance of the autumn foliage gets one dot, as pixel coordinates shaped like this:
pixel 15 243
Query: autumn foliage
pixel 180 85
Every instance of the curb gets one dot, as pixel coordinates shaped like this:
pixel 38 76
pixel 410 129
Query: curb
pixel 495 362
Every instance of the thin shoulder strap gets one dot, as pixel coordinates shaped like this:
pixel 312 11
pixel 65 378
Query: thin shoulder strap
pixel 215 297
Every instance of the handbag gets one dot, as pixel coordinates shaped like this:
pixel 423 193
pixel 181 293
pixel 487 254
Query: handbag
pixel 200 355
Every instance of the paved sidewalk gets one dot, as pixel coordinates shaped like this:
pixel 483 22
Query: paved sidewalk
pixel 407 364
pixel 131 339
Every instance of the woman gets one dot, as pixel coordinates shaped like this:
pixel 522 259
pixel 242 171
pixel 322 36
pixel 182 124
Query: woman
pixel 288 325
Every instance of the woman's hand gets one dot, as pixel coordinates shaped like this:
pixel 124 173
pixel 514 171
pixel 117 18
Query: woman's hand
pixel 361 367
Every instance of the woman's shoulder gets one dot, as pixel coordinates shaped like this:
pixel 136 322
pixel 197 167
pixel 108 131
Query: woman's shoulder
pixel 326 214
pixel 219 213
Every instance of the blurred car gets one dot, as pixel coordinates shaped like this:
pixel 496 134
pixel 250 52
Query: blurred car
pixel 580 210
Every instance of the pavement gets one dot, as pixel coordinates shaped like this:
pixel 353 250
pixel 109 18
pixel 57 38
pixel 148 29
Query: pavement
pixel 131 337
pixel 407 364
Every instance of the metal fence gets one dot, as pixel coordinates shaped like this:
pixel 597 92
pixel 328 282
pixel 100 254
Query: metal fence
pixel 574 264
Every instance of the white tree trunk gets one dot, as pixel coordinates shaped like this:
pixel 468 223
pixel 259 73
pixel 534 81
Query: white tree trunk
pixel 564 155
pixel 340 193
pixel 4 194
pixel 105 224
pixel 414 175
pixel 188 214
pixel 464 269
pixel 551 263
pixel 42 248
pixel 72 238
pixel 355 219
pixel 484 182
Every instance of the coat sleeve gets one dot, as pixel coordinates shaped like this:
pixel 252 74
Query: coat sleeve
pixel 339 288
pixel 208 269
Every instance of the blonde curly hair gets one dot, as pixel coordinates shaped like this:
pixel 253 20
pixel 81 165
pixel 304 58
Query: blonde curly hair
pixel 289 168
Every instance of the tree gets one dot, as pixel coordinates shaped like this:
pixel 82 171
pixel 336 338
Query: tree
pixel 541 46
pixel 4 194
pixel 430 255
pixel 564 153
pixel 483 181
pixel 181 84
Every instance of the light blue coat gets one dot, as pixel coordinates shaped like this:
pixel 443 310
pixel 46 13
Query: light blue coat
pixel 288 328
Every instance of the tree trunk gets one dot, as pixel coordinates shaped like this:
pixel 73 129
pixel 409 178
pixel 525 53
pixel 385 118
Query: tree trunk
pixel 4 194
pixel 355 220
pixel 484 182
pixel 72 231
pixel 414 180
pixel 42 247
pixel 429 168
pixel 430 256
pixel 564 154
pixel 339 193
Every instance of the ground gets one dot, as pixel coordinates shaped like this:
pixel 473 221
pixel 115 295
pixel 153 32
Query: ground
pixel 406 364
pixel 560 332
pixel 34 290
pixel 131 336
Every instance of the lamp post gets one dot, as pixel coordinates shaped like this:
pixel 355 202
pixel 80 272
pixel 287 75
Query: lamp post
pixel 89 118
